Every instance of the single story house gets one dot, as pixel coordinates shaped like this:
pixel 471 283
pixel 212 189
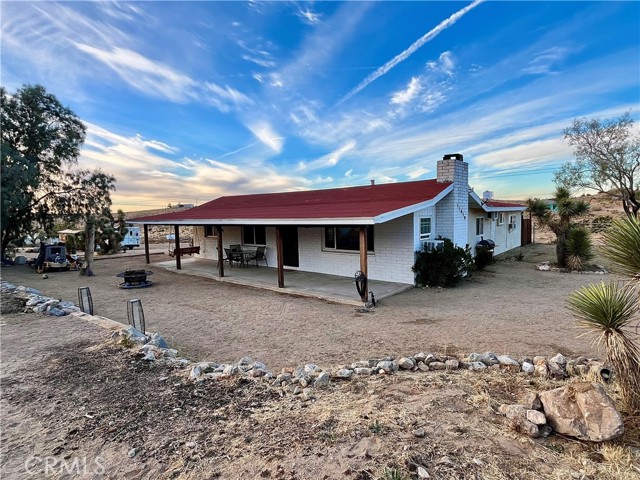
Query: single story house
pixel 375 228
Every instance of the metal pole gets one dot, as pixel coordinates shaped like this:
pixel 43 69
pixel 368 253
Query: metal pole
pixel 146 243
pixel 177 235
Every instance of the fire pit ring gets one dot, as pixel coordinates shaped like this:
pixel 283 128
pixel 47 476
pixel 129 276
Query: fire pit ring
pixel 135 278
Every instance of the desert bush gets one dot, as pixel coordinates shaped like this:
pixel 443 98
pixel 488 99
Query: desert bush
pixel 601 223
pixel 443 267
pixel 622 246
pixel 607 310
pixel 483 257
pixel 579 248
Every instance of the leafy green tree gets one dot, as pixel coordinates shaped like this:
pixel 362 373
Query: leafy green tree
pixel 559 221
pixel 607 159
pixel 110 231
pixel 41 141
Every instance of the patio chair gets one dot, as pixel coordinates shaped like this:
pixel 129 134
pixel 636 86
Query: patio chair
pixel 259 256
pixel 236 247
pixel 232 257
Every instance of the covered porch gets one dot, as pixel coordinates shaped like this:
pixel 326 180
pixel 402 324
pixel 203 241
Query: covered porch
pixel 332 288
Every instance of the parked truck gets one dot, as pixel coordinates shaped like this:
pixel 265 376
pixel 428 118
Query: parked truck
pixel 131 238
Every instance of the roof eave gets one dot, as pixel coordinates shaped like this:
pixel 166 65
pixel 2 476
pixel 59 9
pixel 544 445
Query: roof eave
pixel 263 221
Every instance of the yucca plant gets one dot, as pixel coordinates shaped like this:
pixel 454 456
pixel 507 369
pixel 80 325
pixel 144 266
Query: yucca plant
pixel 579 248
pixel 560 221
pixel 606 311
pixel 622 246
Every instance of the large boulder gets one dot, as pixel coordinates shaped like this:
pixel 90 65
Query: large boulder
pixel 582 410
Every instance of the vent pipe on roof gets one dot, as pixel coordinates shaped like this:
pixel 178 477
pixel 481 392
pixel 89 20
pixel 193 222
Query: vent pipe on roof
pixel 373 181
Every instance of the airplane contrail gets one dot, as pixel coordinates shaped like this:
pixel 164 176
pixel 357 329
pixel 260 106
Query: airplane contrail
pixel 411 50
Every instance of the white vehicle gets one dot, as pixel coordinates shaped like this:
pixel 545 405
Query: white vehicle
pixel 131 238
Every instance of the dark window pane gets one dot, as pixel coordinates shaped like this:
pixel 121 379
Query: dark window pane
pixel 208 231
pixel 370 238
pixel 247 234
pixel 261 235
pixel 329 237
pixel 347 238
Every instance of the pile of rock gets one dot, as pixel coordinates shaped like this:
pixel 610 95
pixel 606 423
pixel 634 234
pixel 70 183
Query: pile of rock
pixel 588 270
pixel 557 367
pixel 580 409
pixel 38 303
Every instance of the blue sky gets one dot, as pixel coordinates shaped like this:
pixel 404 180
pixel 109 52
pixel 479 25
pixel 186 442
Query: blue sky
pixel 187 101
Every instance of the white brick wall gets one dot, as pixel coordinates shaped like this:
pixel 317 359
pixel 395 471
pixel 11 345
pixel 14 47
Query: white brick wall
pixel 505 239
pixel 453 210
pixel 391 261
pixel 425 212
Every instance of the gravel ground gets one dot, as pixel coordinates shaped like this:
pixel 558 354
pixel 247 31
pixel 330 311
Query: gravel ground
pixel 510 309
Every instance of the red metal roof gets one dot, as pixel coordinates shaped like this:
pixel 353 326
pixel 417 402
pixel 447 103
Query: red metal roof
pixel 336 203
pixel 497 203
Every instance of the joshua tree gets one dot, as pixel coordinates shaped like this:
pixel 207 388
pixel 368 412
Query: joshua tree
pixel 560 223
pixel 608 310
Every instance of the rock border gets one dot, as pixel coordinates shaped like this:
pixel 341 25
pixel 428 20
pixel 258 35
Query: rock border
pixel 547 267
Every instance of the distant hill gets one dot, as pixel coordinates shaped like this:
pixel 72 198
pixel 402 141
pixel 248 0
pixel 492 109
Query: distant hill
pixel 156 211
pixel 158 233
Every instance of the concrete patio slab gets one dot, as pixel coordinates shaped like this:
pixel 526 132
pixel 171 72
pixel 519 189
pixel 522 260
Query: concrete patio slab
pixel 332 288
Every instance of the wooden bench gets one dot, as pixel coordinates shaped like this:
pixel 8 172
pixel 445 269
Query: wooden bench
pixel 184 251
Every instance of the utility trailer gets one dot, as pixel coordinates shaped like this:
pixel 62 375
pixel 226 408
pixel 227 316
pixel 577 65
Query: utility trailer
pixel 131 238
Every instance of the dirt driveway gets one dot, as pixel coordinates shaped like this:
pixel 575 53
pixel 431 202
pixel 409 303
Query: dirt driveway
pixel 510 309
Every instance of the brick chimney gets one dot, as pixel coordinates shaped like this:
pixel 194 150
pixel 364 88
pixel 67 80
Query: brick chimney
pixel 453 210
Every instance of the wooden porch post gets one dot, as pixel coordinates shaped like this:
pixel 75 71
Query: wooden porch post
pixel 279 255
pixel 363 258
pixel 220 252
pixel 146 243
pixel 176 229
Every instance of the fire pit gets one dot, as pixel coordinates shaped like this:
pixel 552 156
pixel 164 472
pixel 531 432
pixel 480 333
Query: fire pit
pixel 135 279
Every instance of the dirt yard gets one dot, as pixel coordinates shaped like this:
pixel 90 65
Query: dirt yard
pixel 75 405
pixel 509 309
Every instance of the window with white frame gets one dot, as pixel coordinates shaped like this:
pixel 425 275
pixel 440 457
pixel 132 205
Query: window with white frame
pixel 254 235
pixel 346 238
pixel 209 231
pixel 425 228
pixel 479 226
pixel 500 218
pixel 512 222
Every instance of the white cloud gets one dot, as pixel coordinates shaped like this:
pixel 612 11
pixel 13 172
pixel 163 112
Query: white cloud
pixel 402 97
pixel 160 80
pixel 264 132
pixel 445 64
pixel 417 173
pixel 276 80
pixel 135 159
pixel 430 35
pixel 329 160
pixel 143 74
pixel 259 61
pixel 309 17
pixel 544 61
